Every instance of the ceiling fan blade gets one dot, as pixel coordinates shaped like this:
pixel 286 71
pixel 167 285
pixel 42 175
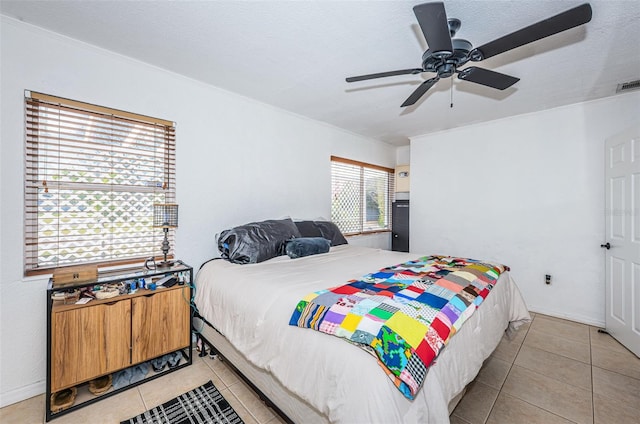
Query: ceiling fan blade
pixel 486 77
pixel 385 74
pixel 566 20
pixel 433 22
pixel 419 92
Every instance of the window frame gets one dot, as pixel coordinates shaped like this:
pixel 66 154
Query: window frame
pixel 38 156
pixel 390 193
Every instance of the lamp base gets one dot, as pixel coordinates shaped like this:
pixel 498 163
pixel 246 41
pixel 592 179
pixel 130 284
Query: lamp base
pixel 165 264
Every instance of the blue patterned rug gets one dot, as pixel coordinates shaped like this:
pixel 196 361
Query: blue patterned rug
pixel 201 405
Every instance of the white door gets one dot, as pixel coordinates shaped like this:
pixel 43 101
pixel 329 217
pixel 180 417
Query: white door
pixel 622 298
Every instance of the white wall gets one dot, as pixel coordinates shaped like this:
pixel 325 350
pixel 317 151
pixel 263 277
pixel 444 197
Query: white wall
pixel 237 161
pixel 527 191
pixel 403 155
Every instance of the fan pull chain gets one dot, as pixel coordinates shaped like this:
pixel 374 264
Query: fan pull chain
pixel 451 105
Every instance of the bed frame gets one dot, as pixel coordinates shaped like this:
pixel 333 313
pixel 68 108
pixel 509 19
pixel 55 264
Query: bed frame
pixel 261 381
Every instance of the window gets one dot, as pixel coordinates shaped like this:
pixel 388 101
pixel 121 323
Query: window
pixel 360 196
pixel 92 175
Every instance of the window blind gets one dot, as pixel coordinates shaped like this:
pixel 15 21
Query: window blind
pixel 361 196
pixel 92 175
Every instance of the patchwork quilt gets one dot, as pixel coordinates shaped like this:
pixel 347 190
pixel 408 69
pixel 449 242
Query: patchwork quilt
pixel 404 314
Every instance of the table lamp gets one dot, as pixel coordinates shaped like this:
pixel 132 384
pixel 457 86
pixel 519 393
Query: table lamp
pixel 165 215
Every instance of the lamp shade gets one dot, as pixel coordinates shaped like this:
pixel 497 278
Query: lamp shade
pixel 165 215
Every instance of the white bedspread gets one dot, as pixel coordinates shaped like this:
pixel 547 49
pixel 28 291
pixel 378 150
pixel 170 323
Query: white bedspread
pixel 251 306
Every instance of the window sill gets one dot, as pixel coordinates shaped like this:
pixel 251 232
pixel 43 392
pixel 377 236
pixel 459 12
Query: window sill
pixel 367 233
pixel 104 267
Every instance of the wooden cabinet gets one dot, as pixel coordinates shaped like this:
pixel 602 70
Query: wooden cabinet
pixel 89 342
pixel 101 337
pixel 158 320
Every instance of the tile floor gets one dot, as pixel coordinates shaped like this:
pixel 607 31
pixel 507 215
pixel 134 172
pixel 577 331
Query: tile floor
pixel 141 398
pixel 553 371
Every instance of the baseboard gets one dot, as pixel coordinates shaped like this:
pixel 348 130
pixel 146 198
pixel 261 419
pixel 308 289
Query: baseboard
pixel 570 317
pixel 22 393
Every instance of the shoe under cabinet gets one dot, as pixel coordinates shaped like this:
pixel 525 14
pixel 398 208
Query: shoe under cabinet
pixel 131 330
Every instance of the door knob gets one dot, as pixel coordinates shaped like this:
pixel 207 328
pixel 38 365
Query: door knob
pixel 606 246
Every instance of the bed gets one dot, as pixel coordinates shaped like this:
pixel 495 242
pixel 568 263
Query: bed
pixel 317 378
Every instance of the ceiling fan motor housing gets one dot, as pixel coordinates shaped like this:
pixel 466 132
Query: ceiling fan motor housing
pixel 446 66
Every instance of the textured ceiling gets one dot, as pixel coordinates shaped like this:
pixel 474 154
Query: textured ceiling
pixel 296 54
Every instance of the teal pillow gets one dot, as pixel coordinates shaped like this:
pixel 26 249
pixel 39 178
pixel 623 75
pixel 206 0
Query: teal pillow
pixel 306 246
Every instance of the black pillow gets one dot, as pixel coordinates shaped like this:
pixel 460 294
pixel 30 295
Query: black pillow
pixel 257 241
pixel 308 229
pixel 331 232
pixel 306 246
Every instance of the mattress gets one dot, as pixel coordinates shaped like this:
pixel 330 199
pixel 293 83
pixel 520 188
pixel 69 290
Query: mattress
pixel 250 306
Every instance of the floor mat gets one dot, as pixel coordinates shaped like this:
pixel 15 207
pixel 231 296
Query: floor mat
pixel 203 404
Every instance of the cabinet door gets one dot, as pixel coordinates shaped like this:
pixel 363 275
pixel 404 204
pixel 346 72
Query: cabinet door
pixel 160 323
pixel 89 342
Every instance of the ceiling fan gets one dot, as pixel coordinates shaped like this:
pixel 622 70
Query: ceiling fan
pixel 447 54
